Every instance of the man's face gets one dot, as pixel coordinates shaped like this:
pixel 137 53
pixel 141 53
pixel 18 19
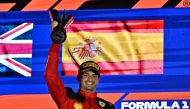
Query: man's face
pixel 89 81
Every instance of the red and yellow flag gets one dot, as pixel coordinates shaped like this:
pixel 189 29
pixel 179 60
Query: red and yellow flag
pixel 119 47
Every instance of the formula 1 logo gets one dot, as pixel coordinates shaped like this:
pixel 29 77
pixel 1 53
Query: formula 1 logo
pixel 88 50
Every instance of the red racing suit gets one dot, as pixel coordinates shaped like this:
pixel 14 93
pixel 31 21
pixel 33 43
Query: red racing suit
pixel 64 97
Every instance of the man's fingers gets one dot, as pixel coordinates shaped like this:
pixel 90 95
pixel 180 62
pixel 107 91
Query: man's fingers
pixel 50 15
pixel 54 15
pixel 68 21
pixel 53 24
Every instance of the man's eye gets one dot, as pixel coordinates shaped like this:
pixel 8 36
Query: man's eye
pixel 85 75
pixel 94 76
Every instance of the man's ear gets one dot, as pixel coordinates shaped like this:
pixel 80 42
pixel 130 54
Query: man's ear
pixel 98 80
pixel 79 79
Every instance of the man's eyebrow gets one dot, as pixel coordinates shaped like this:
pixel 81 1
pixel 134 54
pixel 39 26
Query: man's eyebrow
pixel 94 74
pixel 85 73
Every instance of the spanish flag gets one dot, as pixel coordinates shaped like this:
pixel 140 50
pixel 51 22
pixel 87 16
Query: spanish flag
pixel 119 47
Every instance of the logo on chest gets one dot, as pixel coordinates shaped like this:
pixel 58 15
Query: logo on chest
pixel 78 105
pixel 102 104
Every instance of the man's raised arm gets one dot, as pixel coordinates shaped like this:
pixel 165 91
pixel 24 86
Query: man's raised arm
pixel 54 82
pixel 58 36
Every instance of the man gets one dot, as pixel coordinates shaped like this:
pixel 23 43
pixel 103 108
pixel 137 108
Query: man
pixel 88 78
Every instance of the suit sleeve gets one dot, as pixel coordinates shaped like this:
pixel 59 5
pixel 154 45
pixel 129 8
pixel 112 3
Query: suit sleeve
pixel 53 80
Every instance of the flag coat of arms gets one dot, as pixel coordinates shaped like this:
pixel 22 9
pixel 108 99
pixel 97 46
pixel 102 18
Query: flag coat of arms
pixel 119 47
pixel 16 49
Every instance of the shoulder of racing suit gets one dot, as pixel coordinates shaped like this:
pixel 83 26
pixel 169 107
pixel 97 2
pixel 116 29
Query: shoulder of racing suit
pixel 73 95
pixel 99 101
pixel 104 104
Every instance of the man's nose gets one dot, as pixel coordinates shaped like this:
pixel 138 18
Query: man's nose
pixel 90 78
